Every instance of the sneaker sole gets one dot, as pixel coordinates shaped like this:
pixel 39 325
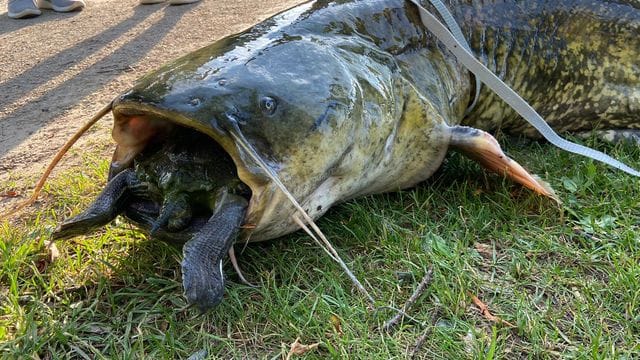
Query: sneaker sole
pixel 48 5
pixel 26 13
pixel 182 2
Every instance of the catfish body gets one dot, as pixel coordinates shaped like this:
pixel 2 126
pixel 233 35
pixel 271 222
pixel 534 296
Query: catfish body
pixel 348 98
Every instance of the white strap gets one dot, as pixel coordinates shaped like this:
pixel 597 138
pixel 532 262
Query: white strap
pixel 506 93
pixel 457 33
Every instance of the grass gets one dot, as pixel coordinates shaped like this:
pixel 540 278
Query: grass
pixel 568 278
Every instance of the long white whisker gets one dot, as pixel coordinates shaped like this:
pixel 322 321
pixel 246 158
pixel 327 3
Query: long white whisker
pixel 306 229
pixel 242 141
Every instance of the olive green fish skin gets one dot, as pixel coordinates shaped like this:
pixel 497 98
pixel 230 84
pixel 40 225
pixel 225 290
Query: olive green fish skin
pixel 365 95
pixel 576 62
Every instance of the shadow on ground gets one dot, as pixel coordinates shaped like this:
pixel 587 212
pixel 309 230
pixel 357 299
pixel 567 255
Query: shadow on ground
pixel 74 90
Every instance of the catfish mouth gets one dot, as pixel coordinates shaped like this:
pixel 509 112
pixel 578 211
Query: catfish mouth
pixel 182 164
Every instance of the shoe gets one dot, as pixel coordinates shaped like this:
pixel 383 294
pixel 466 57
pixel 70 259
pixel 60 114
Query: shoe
pixel 19 9
pixel 61 5
pixel 171 2
pixel 182 2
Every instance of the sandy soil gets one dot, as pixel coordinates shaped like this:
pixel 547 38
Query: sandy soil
pixel 59 69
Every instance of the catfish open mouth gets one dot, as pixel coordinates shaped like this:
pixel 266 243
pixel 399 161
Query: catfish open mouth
pixel 181 185
pixel 180 177
pixel 166 177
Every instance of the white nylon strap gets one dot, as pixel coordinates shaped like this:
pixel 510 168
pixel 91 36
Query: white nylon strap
pixel 506 93
pixel 457 33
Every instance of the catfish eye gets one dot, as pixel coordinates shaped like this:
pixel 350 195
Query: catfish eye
pixel 268 105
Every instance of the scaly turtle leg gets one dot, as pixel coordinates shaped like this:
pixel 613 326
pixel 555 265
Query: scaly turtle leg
pixel 202 276
pixel 111 202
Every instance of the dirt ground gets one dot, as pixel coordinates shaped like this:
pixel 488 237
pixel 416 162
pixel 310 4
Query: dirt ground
pixel 58 69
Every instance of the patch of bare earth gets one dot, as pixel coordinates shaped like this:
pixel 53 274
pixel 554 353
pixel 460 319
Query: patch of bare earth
pixel 59 69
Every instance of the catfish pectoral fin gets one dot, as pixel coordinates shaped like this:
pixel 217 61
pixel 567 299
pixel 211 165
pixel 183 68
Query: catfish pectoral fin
pixel 111 202
pixel 484 148
pixel 202 275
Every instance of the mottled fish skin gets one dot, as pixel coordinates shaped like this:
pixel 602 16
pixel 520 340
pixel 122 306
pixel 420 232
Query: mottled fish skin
pixel 366 95
pixel 576 62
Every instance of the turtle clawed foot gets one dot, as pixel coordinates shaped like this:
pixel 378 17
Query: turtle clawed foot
pixel 202 275
pixel 175 214
pixel 74 227
pixel 111 202
pixel 203 287
pixel 140 189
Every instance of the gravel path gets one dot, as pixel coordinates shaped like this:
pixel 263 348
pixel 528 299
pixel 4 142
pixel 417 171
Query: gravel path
pixel 58 69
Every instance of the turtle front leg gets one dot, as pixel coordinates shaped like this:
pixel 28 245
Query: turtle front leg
pixel 202 275
pixel 111 202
